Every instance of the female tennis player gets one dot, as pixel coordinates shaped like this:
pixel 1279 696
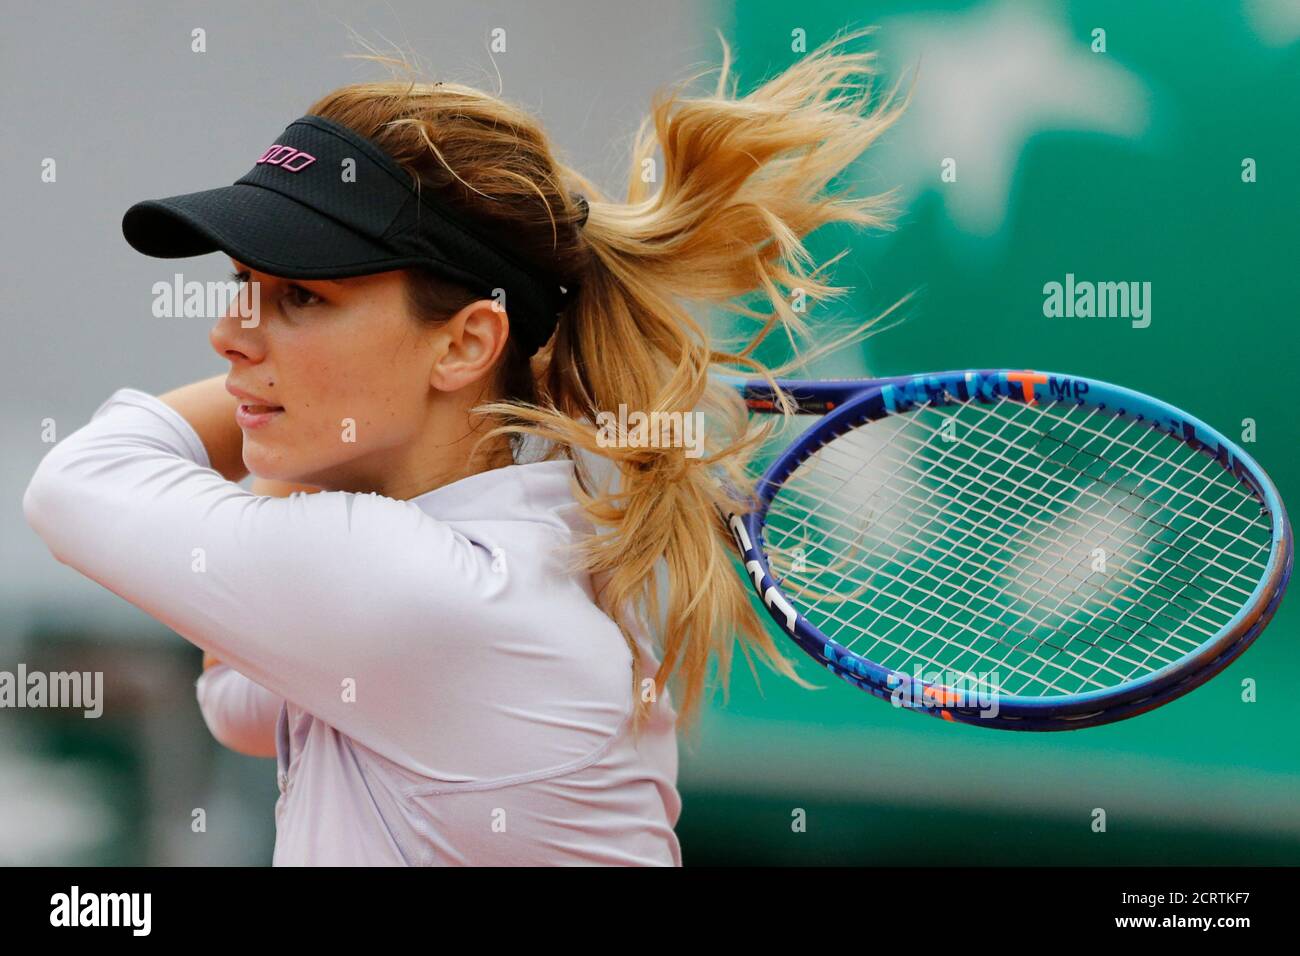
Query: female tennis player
pixel 460 647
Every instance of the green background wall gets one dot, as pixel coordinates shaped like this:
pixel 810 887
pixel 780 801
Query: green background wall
pixel 1117 166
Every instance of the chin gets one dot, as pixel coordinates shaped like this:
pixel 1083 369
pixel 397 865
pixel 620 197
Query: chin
pixel 308 465
pixel 270 467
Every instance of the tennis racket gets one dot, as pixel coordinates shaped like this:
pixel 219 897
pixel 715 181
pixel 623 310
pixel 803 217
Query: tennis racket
pixel 1012 549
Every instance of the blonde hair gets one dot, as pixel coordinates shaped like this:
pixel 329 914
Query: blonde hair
pixel 742 182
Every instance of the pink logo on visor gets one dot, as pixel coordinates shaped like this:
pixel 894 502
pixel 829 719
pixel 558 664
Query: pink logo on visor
pixel 288 158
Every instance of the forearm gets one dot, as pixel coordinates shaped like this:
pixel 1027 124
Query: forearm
pixel 240 713
pixel 210 410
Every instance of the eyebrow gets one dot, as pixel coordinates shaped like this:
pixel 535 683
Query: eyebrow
pixel 241 267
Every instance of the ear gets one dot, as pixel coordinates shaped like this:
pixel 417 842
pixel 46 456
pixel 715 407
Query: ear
pixel 468 345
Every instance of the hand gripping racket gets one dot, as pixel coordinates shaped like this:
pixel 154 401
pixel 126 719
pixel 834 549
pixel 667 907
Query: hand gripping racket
pixel 1012 549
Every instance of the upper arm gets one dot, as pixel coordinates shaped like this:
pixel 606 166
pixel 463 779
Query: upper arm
pixel 322 599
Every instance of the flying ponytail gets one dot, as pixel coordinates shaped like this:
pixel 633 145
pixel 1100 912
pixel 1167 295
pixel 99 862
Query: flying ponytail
pixel 740 183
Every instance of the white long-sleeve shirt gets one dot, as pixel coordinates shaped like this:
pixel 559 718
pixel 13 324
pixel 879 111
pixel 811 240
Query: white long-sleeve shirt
pixel 444 689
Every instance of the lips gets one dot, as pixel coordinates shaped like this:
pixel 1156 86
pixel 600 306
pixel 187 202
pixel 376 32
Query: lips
pixel 252 401
pixel 253 411
pixel 256 416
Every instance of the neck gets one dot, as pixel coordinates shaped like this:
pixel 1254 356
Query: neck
pixel 451 462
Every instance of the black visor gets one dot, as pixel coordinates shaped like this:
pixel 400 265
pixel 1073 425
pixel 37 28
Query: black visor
pixel 325 203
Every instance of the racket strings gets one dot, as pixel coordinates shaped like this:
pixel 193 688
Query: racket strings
pixel 1205 466
pixel 932 659
pixel 918 530
pixel 905 621
pixel 900 620
pixel 1106 517
pixel 843 560
pixel 973 502
pixel 1162 643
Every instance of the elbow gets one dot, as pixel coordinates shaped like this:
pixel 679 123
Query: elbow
pixel 67 509
pixel 55 507
pixel 44 503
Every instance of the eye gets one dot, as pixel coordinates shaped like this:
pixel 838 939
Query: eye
pixel 300 297
pixel 296 295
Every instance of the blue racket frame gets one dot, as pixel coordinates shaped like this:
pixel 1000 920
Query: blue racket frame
pixel 847 404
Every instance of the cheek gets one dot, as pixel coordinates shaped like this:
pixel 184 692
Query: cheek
pixel 359 415
pixel 359 388
pixel 386 391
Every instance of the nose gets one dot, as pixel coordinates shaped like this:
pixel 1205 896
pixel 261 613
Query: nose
pixel 237 335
